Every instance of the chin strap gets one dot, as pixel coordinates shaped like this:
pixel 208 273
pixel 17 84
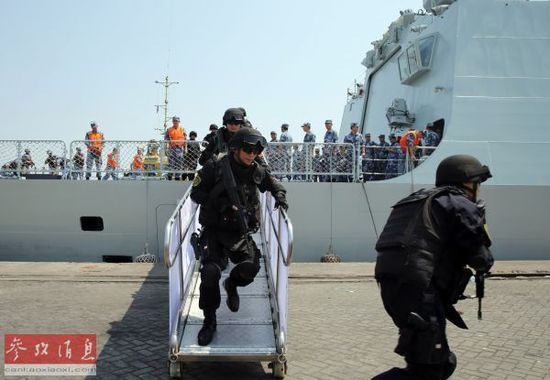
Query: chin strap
pixel 474 190
pixel 470 192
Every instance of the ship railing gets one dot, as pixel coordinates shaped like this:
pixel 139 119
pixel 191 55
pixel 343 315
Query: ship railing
pixel 179 258
pixel 385 162
pixel 117 159
pixel 20 159
pixel 312 162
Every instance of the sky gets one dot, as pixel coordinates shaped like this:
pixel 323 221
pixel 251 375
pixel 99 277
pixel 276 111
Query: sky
pixel 65 63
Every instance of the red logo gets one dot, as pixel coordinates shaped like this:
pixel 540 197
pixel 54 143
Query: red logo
pixel 50 349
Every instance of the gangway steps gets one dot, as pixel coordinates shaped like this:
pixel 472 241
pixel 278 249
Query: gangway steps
pixel 246 334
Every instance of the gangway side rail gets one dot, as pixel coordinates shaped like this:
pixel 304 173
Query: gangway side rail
pixel 269 327
pixel 180 260
pixel 277 240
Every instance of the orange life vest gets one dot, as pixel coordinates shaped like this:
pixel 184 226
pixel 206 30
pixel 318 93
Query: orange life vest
pixel 96 141
pixel 176 136
pixel 403 142
pixel 138 162
pixel 112 160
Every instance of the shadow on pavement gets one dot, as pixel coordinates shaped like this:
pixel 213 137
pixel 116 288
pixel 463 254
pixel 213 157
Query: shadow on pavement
pixel 137 345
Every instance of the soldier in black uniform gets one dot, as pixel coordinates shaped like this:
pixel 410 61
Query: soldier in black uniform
pixel 429 239
pixel 233 120
pixel 209 138
pixel 222 235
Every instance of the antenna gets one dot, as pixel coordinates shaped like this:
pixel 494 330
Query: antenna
pixel 165 84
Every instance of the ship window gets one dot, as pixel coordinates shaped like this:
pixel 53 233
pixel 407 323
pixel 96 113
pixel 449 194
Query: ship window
pixel 404 70
pixel 91 223
pixel 425 46
pixel 416 59
pixel 411 57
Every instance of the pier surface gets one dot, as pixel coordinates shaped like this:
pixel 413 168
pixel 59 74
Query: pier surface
pixel 338 328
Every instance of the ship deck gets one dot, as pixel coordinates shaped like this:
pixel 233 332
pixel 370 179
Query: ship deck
pixel 337 324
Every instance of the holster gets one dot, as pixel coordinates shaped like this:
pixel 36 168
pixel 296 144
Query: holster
pixel 197 244
pixel 421 341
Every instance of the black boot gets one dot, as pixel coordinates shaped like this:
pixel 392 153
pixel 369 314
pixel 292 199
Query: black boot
pixel 208 328
pixel 232 295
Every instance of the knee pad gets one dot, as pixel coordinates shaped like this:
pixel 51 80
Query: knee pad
pixel 210 272
pixel 248 270
pixel 243 274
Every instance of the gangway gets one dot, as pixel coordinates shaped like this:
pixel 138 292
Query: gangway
pixel 258 331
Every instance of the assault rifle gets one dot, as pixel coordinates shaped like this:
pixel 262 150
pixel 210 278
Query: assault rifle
pixel 233 193
pixel 480 291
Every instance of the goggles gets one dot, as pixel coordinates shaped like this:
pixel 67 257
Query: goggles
pixel 250 148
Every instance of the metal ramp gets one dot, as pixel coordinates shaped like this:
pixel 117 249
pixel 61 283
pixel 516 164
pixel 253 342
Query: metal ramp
pixel 257 332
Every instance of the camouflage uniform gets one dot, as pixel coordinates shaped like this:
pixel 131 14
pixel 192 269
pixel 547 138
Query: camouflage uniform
pixel 431 138
pixel 382 157
pixel 368 165
pixel 317 164
pixel 298 164
pixel 309 137
pixel 286 152
pixel 393 157
pixel 330 137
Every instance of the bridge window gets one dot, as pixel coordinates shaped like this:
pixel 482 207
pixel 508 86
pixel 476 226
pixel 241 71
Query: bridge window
pixel 426 49
pixel 417 59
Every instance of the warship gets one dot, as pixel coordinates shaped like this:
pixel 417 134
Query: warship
pixel 478 70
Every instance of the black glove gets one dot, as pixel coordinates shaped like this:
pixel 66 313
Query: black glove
pixel 280 200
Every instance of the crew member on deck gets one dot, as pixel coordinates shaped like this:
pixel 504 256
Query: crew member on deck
pixel 94 143
pixel 175 135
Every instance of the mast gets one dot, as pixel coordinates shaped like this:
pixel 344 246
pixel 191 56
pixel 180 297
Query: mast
pixel 166 83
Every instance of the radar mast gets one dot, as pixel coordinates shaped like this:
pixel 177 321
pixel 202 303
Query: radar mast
pixel 166 83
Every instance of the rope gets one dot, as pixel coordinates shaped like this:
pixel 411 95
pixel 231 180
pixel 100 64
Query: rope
pixel 370 209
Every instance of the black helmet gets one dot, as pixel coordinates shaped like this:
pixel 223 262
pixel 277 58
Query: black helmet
pixel 248 136
pixel 461 168
pixel 213 127
pixel 233 116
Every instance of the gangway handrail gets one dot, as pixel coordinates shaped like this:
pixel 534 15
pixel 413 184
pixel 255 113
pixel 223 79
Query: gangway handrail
pixel 278 259
pixel 180 267
pixel 168 228
pixel 287 260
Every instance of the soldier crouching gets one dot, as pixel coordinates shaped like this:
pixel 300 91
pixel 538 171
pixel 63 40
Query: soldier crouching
pixel 227 190
pixel 423 252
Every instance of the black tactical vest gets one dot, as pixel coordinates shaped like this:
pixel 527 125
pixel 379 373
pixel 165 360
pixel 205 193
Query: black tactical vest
pixel 218 212
pixel 410 246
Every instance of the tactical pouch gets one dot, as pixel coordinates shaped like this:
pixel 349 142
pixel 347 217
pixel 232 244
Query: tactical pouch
pixel 422 345
pixel 195 243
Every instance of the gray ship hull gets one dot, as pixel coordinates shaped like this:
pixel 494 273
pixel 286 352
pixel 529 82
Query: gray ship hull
pixel 41 219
